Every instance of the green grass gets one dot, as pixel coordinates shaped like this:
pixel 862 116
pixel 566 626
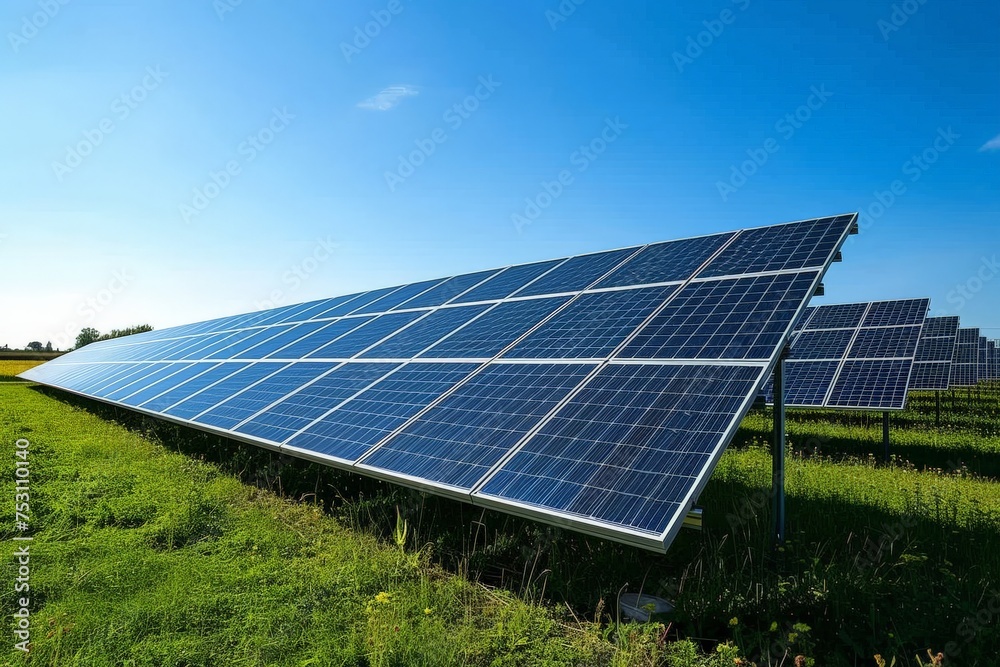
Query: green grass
pixel 148 556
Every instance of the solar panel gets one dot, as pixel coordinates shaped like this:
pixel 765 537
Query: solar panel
pixel 856 356
pixel 595 391
pixel 932 365
pixel 984 358
pixel 965 367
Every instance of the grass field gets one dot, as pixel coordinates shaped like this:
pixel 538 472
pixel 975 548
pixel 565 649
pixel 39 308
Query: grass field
pixel 10 368
pixel 190 557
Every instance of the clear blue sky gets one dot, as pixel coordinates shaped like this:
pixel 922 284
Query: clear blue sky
pixel 101 224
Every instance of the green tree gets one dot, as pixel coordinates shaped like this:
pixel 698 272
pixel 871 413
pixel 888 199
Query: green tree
pixel 87 336
pixel 48 346
pixel 128 331
pixel 34 346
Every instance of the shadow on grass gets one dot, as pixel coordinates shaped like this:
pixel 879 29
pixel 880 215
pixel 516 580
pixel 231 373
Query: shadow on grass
pixel 865 580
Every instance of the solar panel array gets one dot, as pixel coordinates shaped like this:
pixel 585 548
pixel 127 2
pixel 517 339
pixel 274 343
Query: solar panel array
pixel 932 366
pixel 856 356
pixel 984 358
pixel 965 368
pixel 596 391
pixel 993 355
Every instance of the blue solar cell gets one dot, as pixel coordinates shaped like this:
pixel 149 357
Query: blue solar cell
pixel 931 375
pixel 839 316
pixel 96 384
pixel 941 326
pixel 214 372
pixel 629 448
pixel 806 382
pixel 891 313
pixel 250 401
pixel 365 336
pixel 873 384
pixel 447 290
pixel 273 347
pixel 673 261
pixel 822 344
pixel 280 422
pixel 422 334
pixel 495 330
pixel 936 349
pixel 137 381
pixel 78 377
pixel 220 342
pixel 283 314
pixel 241 345
pixel 224 389
pixel 326 332
pixel 458 440
pixel 744 318
pixel 323 308
pixel 593 325
pixel 397 297
pixel 577 273
pixel 194 347
pixel 367 298
pixel 885 343
pixel 798 245
pixel 506 282
pixel 153 389
pixel 354 428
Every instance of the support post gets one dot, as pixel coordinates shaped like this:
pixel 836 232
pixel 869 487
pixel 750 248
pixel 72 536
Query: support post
pixel 938 408
pixel 778 453
pixel 885 435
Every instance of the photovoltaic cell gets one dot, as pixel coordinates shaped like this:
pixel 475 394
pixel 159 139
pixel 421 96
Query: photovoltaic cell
pixel 371 333
pixel 250 401
pixel 798 245
pixel 349 432
pixel 201 400
pixel 744 318
pixel 397 297
pixel 629 448
pixel 592 326
pixel 495 330
pixel 576 274
pixel 506 282
pixel 826 355
pixel 447 290
pixel 613 386
pixel 281 421
pixel 412 340
pixel 965 367
pixel 672 261
pixel 872 385
pixel 456 442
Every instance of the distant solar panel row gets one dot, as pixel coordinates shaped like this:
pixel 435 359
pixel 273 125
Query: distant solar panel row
pixel 596 391
pixel 854 356
pixel 932 366
pixel 965 368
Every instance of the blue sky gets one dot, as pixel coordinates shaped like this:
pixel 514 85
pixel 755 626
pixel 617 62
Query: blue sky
pixel 167 162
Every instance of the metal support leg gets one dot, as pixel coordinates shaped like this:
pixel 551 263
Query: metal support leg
pixel 778 454
pixel 885 435
pixel 938 408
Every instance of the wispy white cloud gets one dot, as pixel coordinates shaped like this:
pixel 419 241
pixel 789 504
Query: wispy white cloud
pixel 991 145
pixel 387 98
